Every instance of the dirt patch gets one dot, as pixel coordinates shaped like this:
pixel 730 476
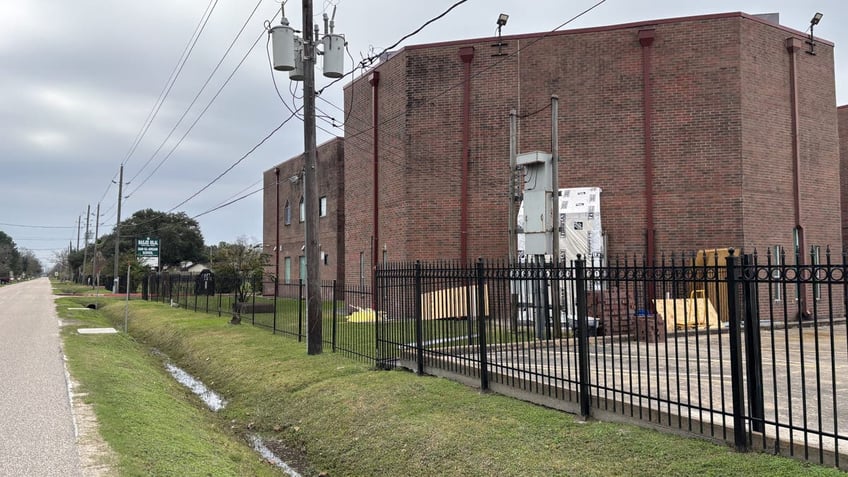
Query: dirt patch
pixel 96 457
pixel 295 458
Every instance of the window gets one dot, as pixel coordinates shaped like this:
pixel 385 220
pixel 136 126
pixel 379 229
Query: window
pixel 303 268
pixel 302 210
pixel 325 257
pixel 322 207
pixel 288 270
pixel 287 214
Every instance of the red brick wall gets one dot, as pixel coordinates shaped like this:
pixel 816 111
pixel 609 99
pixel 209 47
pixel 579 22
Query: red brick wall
pixel 359 190
pixel 720 134
pixel 331 156
pixel 842 113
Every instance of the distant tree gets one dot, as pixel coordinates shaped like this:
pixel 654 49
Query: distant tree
pixel 10 258
pixel 179 237
pixel 30 265
pixel 237 266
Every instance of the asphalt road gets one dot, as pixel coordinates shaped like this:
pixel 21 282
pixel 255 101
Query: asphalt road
pixel 37 432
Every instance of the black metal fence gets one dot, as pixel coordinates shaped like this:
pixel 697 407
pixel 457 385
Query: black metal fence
pixel 346 329
pixel 745 349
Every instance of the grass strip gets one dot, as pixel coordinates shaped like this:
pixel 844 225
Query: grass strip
pixel 339 416
pixel 154 425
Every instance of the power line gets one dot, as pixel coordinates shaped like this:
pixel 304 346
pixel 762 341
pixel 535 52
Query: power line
pixel 371 58
pixel 242 158
pixel 202 112
pixel 38 226
pixel 199 92
pixel 178 68
pixel 228 203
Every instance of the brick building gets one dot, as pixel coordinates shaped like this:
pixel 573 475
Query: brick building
pixel 842 113
pixel 283 209
pixel 695 129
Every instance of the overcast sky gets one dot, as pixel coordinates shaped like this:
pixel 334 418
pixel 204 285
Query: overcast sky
pixel 78 80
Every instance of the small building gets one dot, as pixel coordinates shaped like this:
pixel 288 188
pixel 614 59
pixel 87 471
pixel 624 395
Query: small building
pixel 284 230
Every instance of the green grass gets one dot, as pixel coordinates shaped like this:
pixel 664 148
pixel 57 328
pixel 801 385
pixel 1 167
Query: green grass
pixel 347 419
pixel 155 426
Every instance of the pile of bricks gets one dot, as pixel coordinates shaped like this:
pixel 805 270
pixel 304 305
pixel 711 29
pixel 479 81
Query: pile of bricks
pixel 609 307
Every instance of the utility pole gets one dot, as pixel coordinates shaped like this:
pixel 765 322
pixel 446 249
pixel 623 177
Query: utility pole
pixel 314 336
pixel 79 222
pixel 300 62
pixel 85 242
pixel 95 275
pixel 117 281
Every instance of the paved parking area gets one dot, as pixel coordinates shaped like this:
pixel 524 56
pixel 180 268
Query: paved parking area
pixel 804 385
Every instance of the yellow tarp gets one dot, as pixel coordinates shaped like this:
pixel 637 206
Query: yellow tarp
pixel 362 315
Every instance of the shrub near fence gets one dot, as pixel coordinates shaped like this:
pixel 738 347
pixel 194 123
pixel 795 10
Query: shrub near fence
pixel 709 348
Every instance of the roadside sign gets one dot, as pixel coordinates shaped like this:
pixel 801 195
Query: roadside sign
pixel 147 252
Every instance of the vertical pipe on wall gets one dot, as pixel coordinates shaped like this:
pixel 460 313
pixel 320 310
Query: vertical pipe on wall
pixel 276 228
pixel 646 40
pixel 374 81
pixel 793 46
pixel 466 53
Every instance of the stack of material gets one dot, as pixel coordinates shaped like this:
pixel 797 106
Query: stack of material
pixel 610 308
pixel 648 328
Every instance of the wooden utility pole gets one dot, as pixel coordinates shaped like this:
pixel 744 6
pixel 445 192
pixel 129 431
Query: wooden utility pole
pixel 117 281
pixel 85 241
pixel 314 336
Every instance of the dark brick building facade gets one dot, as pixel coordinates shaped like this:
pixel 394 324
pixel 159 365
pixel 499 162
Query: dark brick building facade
pixel 842 113
pixel 692 127
pixel 284 186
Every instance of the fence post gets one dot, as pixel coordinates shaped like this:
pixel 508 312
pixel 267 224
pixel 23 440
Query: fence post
pixel 276 292
pixel 253 302
pixel 419 320
pixel 736 376
pixel 481 327
pixel 335 314
pixel 300 311
pixel 754 358
pixel 583 337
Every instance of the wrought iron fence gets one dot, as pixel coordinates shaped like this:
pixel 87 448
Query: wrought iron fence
pixel 745 349
pixel 346 328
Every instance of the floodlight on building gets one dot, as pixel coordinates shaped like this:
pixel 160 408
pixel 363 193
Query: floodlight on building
pixel 502 18
pixel 812 41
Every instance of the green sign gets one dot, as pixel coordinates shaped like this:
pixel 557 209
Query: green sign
pixel 147 251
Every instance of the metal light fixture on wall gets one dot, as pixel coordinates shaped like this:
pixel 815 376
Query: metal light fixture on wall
pixel 812 41
pixel 502 18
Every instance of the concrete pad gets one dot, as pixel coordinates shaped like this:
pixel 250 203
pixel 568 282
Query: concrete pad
pixel 97 331
pixel 80 308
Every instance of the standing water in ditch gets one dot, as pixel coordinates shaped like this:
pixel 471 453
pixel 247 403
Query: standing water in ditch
pixel 212 399
pixel 215 402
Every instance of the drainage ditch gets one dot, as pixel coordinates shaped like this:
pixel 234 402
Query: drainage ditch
pixel 216 402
